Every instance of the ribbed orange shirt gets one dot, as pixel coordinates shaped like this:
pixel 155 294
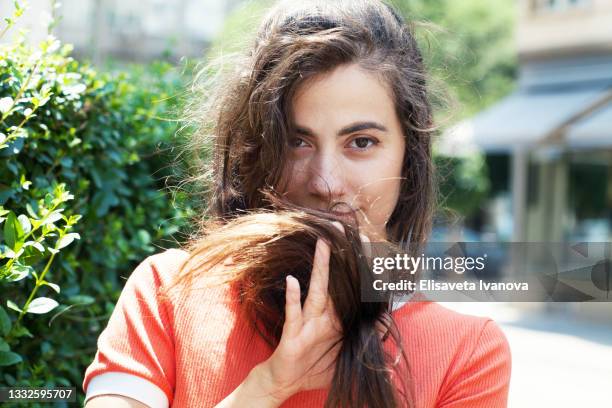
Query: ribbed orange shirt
pixel 195 350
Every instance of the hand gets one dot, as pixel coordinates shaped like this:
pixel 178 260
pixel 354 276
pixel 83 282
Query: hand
pixel 307 334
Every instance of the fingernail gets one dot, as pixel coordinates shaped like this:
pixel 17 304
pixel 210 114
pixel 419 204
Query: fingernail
pixel 338 225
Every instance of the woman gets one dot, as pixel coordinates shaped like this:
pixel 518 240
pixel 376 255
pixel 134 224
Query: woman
pixel 330 118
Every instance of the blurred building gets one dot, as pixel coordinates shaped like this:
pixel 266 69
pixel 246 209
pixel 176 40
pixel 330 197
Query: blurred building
pixel 549 144
pixel 131 30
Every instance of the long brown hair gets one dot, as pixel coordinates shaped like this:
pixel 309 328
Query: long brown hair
pixel 246 121
pixel 262 248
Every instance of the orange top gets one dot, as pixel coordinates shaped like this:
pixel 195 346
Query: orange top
pixel 195 351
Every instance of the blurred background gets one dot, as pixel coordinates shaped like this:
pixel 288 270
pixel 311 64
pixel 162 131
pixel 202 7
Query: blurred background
pixel 523 96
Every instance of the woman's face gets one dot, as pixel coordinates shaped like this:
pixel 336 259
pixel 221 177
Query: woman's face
pixel 348 149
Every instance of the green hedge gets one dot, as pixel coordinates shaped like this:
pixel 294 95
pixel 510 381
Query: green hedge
pixel 84 159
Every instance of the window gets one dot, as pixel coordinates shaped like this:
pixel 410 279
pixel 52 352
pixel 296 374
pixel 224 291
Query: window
pixel 554 6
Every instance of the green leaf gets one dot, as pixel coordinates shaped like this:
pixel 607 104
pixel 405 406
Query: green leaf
pixel 74 219
pixel 6 193
pixel 25 223
pixel 9 380
pixel 53 286
pixel 5 322
pixel 22 331
pixel 35 223
pixel 74 142
pixel 81 300
pixel 19 272
pixel 144 237
pixel 4 345
pixel 32 209
pixel 53 217
pixel 11 305
pixel 5 104
pixel 41 305
pixel 6 252
pixel 25 184
pixel 8 358
pixel 67 240
pixel 34 244
pixel 12 230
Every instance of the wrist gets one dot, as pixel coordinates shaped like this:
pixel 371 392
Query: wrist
pixel 261 381
pixel 257 389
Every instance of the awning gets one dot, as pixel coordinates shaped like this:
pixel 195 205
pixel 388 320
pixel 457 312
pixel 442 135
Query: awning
pixel 552 97
pixel 593 131
pixel 526 118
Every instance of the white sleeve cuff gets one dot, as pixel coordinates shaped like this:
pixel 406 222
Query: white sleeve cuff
pixel 127 385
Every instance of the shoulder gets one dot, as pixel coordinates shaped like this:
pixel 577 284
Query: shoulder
pixel 168 261
pixel 163 277
pixel 454 329
pixel 158 269
pixel 466 356
pixel 135 355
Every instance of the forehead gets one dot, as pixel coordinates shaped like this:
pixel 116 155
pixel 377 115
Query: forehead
pixel 346 94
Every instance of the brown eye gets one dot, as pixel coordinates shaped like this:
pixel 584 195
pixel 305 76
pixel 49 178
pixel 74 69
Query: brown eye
pixel 363 142
pixel 296 142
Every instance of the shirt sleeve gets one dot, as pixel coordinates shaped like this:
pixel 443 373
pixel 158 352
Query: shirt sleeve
pixel 484 379
pixel 137 346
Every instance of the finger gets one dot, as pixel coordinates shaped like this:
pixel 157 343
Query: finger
pixel 316 300
pixel 339 226
pixel 293 308
pixel 364 238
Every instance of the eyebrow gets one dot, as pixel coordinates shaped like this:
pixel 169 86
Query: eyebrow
pixel 352 128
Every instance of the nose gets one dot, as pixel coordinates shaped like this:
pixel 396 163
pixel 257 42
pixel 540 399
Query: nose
pixel 327 178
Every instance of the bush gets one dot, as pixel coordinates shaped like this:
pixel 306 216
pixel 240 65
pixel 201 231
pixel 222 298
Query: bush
pixel 83 161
